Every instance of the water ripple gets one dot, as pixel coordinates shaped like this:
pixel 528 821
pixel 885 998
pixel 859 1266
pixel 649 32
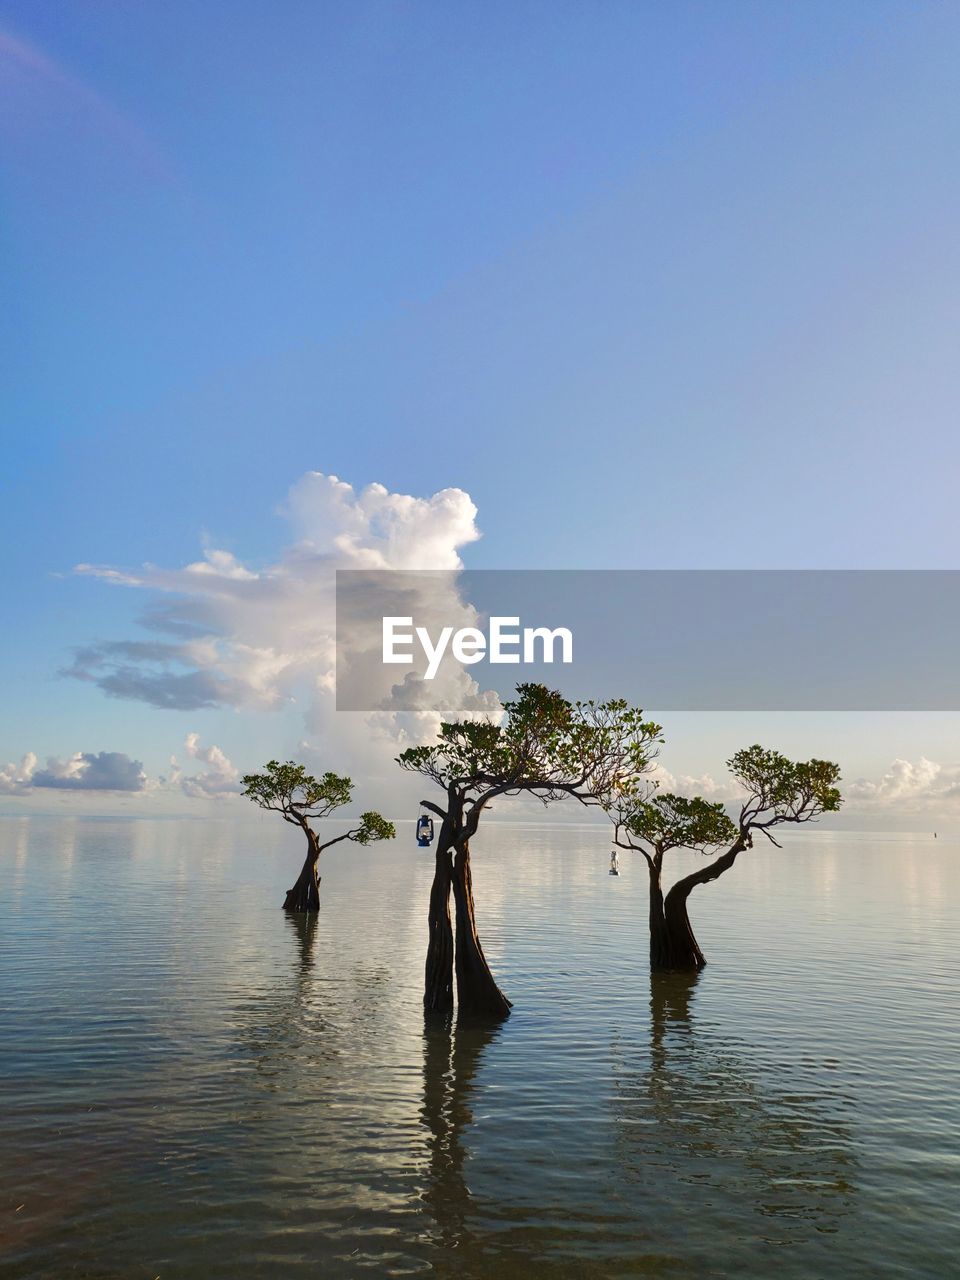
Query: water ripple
pixel 196 1085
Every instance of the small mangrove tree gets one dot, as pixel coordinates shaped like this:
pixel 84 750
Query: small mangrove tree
pixel 775 789
pixel 301 799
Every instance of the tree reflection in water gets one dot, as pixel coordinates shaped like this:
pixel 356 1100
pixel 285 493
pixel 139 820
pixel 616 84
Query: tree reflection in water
pixel 479 1239
pixel 470 1241
pixel 706 1135
pixel 711 1164
pixel 451 1057
pixel 285 1024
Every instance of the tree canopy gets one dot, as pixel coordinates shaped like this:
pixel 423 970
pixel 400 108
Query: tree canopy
pixel 777 790
pixel 782 790
pixel 666 821
pixel 546 746
pixel 299 797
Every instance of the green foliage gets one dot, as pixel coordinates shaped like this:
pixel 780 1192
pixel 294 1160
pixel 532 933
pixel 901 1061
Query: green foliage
pixel 669 821
pixel 372 828
pixel 290 790
pixel 545 745
pixel 777 790
pixel 783 790
pixel 298 796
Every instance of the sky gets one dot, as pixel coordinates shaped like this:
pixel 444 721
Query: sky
pixel 620 285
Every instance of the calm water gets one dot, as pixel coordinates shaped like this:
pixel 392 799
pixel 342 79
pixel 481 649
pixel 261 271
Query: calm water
pixel 195 1085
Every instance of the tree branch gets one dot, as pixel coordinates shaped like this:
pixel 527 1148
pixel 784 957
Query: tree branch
pixel 336 840
pixel 712 871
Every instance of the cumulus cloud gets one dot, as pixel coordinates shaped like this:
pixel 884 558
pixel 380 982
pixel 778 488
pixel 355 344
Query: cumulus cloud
pixel 909 787
pixel 83 771
pixel 726 790
pixel 264 637
pixel 15 778
pixel 222 778
pixel 118 772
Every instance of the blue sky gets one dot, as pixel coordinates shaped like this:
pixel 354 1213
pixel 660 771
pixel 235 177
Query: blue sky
pixel 660 285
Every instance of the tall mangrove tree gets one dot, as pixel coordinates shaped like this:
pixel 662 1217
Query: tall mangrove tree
pixel 544 746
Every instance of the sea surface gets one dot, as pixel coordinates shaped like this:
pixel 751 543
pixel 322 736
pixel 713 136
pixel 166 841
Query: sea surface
pixel 193 1084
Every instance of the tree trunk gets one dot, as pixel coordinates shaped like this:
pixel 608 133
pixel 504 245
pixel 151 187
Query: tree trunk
pixel 684 951
pixel 672 944
pixel 659 938
pixel 438 975
pixel 305 894
pixel 477 992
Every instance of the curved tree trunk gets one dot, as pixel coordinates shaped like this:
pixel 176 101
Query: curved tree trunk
pixel 684 950
pixel 305 894
pixel 477 992
pixel 672 944
pixel 438 974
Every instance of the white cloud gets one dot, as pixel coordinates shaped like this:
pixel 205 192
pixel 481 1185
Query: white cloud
pixel 261 638
pixel 221 779
pixel 909 787
pixel 376 529
pixel 15 778
pixel 83 771
pixel 705 785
